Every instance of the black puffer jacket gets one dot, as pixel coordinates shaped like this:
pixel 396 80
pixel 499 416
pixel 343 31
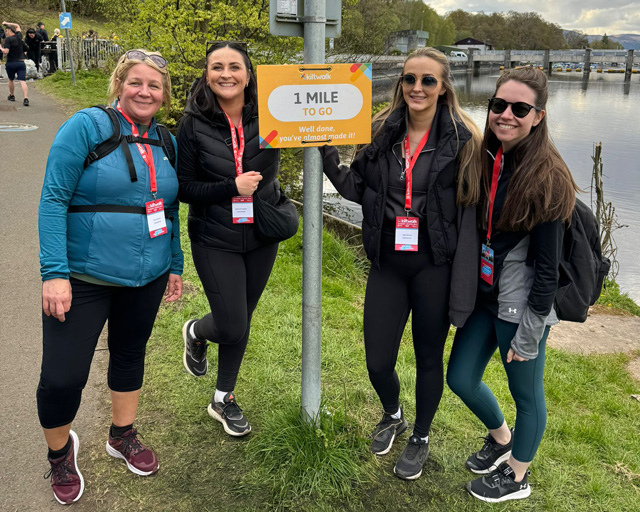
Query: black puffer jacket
pixel 207 173
pixel 452 231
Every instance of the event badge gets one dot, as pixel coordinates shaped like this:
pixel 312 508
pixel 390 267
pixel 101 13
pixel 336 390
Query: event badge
pixel 242 209
pixel 407 233
pixel 155 218
pixel 486 264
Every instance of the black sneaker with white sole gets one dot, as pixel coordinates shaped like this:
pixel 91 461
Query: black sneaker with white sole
pixel 490 456
pixel 500 485
pixel 194 357
pixel 386 431
pixel 228 413
pixel 415 454
pixel 11 97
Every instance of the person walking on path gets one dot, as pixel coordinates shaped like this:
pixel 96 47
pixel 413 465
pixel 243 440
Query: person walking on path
pixel 529 195
pixel 109 248
pixel 13 48
pixel 221 168
pixel 418 183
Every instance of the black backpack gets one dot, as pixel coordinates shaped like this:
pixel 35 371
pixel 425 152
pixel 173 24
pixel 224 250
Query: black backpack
pixel 117 139
pixel 582 266
pixel 109 145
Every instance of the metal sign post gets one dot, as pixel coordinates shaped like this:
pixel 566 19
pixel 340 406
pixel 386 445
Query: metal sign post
pixel 65 23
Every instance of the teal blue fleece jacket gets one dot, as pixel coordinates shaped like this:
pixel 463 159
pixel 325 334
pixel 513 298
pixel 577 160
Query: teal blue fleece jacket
pixel 114 247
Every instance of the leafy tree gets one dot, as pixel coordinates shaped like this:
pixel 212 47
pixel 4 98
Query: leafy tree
pixel 576 39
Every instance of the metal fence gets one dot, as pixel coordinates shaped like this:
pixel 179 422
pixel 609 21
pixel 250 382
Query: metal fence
pixel 87 53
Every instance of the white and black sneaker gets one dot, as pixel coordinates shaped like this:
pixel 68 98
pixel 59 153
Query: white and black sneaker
pixel 386 431
pixel 228 413
pixel 415 454
pixel 195 352
pixel 490 456
pixel 500 485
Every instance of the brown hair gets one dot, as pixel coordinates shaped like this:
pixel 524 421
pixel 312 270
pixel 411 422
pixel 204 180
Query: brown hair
pixel 469 173
pixel 541 188
pixel 122 69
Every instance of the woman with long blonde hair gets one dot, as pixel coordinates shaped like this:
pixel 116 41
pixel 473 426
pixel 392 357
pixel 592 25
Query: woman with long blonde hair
pixel 418 183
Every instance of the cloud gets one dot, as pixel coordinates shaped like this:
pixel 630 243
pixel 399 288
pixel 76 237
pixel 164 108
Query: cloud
pixel 589 16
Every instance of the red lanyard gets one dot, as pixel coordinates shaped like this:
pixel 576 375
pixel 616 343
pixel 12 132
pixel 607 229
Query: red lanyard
pixel 497 164
pixel 145 152
pixel 408 166
pixel 238 148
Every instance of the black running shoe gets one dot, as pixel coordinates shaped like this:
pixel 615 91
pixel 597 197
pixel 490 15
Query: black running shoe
pixel 415 454
pixel 386 431
pixel 11 97
pixel 490 456
pixel 228 413
pixel 195 352
pixel 25 102
pixel 500 485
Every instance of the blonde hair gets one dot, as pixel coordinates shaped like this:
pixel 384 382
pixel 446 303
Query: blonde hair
pixel 122 69
pixel 470 169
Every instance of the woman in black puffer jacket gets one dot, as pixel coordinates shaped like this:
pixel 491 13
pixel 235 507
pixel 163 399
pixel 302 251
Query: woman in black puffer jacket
pixel 418 184
pixel 220 169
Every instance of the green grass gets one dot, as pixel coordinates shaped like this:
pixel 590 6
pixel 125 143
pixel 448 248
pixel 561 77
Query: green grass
pixel 27 18
pixel 90 89
pixel 588 459
pixel 614 299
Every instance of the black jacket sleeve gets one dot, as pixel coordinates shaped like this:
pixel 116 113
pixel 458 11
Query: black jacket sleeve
pixel 349 181
pixel 192 190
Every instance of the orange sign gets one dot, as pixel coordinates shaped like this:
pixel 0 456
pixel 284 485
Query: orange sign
pixel 314 104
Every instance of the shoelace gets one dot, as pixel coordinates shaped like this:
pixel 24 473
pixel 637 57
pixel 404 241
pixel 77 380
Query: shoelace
pixel 488 443
pixel 198 348
pixel 131 443
pixel 499 477
pixel 413 447
pixel 59 472
pixel 232 410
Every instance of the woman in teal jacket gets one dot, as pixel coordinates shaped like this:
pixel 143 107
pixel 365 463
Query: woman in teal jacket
pixel 109 248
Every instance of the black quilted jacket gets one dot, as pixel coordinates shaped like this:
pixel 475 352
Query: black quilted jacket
pixel 207 173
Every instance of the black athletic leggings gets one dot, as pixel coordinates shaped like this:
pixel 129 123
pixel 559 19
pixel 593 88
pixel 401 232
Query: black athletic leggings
pixel 68 347
pixel 407 282
pixel 233 283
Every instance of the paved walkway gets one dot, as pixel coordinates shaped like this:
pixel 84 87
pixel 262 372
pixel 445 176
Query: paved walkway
pixel 23 155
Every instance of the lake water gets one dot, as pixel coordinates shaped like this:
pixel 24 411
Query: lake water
pixel 580 114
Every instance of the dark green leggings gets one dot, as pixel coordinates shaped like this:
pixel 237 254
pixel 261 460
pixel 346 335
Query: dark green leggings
pixel 473 346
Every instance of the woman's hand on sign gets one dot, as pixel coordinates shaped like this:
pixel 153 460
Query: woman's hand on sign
pixel 247 182
pixel 56 297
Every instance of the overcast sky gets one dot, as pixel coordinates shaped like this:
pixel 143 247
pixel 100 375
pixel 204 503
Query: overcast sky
pixel 590 16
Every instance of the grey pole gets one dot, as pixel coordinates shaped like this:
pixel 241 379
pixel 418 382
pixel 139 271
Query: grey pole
pixel 66 34
pixel 314 32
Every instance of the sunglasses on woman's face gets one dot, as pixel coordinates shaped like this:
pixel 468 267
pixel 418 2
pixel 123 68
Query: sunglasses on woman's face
pixel 519 109
pixel 427 81
pixel 158 60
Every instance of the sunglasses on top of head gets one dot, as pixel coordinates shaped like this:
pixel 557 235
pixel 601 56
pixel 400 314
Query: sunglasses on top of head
pixel 235 45
pixel 158 60
pixel 427 81
pixel 519 109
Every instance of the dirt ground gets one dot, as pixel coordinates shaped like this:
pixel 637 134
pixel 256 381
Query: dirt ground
pixel 602 333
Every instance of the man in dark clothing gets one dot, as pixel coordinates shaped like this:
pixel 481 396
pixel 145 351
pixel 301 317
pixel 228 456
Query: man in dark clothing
pixel 42 31
pixel 35 48
pixel 13 48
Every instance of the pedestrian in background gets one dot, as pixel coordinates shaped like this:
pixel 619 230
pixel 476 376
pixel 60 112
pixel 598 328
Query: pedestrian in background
pixel 13 48
pixel 34 45
pixel 528 196
pixel 109 250
pixel 418 183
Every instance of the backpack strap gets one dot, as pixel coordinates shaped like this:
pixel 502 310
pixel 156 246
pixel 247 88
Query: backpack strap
pixel 107 145
pixel 167 144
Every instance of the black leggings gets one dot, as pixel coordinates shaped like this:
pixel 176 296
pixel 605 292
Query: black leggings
pixel 233 283
pixel 407 282
pixel 68 347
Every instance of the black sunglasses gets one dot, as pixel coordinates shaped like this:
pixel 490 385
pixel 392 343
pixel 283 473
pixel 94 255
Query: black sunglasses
pixel 236 45
pixel 519 109
pixel 158 60
pixel 427 81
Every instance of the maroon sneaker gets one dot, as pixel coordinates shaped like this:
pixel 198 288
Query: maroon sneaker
pixel 66 480
pixel 140 459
